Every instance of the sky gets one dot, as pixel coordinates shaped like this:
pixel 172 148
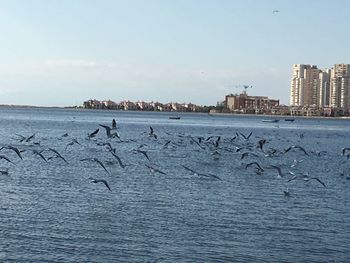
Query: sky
pixel 63 52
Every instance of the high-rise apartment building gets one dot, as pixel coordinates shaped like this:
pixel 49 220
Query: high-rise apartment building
pixel 305 84
pixel 340 86
pixel 312 86
pixel 324 93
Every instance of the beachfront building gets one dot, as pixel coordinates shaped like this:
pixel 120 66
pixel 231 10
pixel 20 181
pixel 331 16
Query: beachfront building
pixel 305 85
pixel 249 104
pixel 311 86
pixel 340 86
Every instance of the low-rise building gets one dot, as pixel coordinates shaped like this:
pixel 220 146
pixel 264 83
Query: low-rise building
pixel 249 104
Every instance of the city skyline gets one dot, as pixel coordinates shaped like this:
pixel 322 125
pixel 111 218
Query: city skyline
pixel 311 86
pixel 60 53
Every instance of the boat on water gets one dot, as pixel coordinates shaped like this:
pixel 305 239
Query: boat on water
pixel 174 117
pixel 289 119
pixel 271 120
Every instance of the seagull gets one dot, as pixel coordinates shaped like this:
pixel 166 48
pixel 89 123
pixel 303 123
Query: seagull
pixel 13 149
pixel 254 163
pixel 95 181
pixel 151 133
pixel 26 139
pixel 345 150
pixel 108 131
pixel 118 159
pixel 4 172
pixel 5 158
pixel 246 137
pixel 39 154
pixel 154 170
pixel 201 174
pixel 71 143
pixel 317 179
pixel 144 153
pixel 114 124
pixel 57 154
pixel 296 147
pixel 97 161
pixel 275 11
pixel 261 144
pixel 279 170
pixel 93 134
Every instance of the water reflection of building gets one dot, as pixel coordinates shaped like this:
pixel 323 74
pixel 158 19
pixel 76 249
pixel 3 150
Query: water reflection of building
pixel 249 104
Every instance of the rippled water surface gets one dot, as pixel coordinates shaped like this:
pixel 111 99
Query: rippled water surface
pixel 223 211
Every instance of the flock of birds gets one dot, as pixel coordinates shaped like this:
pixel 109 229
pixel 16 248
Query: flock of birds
pixel 249 154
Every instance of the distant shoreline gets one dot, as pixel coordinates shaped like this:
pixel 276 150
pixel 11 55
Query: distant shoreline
pixel 177 112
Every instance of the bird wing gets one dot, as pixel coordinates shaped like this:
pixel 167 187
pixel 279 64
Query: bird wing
pixel 108 129
pixel 106 184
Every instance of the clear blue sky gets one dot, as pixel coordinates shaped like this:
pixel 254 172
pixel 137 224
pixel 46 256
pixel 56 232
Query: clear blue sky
pixel 62 52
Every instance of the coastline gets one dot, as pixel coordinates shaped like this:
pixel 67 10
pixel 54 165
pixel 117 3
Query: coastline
pixel 177 112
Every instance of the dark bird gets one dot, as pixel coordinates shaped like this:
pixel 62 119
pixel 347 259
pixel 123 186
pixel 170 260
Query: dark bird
pixel 154 170
pixel 97 161
pixel 5 158
pixel 275 11
pixel 109 146
pixel 26 139
pixel 278 169
pixel 254 163
pixel 261 144
pixel 108 132
pixel 144 153
pixel 58 154
pixel 114 124
pixel 318 180
pixel 201 174
pixel 13 149
pixel 74 141
pixel 95 181
pixel 65 135
pixel 93 134
pixel 39 153
pixel 286 192
pixel 4 172
pixel 151 133
pixel 344 150
pixel 246 137
pixel 118 159
pixel 296 147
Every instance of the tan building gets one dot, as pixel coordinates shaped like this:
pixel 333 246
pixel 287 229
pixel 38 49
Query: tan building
pixel 305 84
pixel 252 104
pixel 340 86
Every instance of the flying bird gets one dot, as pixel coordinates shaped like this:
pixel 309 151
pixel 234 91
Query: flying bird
pixel 13 149
pixel 118 159
pixel 151 133
pixel 39 153
pixel 95 181
pixel 114 124
pixel 57 154
pixel 275 11
pixel 97 161
pixel 5 158
pixel 108 132
pixel 93 134
pixel 296 147
pixel 154 170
